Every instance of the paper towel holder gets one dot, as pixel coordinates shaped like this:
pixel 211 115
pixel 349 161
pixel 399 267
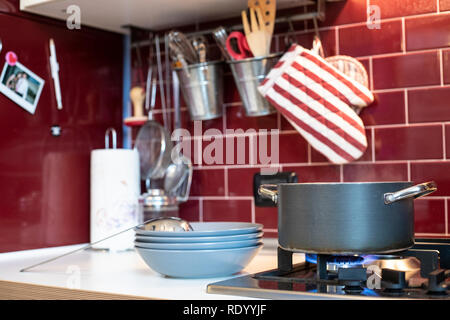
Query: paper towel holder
pixel 114 138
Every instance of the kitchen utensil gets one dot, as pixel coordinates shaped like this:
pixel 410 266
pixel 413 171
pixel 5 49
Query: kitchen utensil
pixel 182 190
pixel 176 173
pixel 154 145
pixel 207 229
pixel 150 75
pixel 268 9
pixel 198 246
pixel 238 237
pixel 177 56
pixel 138 64
pixel 115 189
pixel 161 225
pixel 54 66
pixel 167 81
pixel 349 66
pixel 243 51
pixel 137 96
pixel 161 89
pixel 176 100
pixel 248 74
pixel 199 263
pixel 199 44
pixel 202 88
pixel 346 218
pixel 156 203
pixel 180 44
pixel 315 98
pixel 257 36
pixel 220 35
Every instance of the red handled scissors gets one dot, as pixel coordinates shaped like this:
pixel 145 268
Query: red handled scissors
pixel 242 46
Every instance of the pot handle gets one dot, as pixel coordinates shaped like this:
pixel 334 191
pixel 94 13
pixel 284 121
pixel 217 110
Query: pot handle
pixel 269 191
pixel 416 191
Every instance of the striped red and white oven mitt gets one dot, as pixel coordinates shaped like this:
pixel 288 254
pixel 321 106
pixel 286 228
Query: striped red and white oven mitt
pixel 316 98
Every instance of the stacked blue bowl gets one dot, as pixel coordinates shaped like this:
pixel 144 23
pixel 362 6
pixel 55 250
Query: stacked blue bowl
pixel 212 249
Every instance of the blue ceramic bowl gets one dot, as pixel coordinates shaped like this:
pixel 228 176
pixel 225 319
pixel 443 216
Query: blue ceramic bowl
pixel 199 263
pixel 206 229
pixel 198 246
pixel 237 237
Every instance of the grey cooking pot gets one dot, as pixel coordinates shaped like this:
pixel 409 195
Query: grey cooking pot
pixel 346 218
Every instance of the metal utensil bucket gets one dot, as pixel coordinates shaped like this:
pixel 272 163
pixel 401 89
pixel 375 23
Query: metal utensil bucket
pixel 202 88
pixel 248 73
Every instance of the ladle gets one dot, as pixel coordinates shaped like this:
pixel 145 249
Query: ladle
pixel 169 224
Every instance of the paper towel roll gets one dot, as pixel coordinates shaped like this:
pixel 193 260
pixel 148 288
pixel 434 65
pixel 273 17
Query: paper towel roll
pixel 115 189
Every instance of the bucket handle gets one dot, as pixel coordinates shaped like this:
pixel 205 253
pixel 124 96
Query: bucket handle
pixel 269 191
pixel 114 138
pixel 416 191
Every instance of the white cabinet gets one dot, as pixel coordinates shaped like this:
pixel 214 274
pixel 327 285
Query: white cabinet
pixel 112 15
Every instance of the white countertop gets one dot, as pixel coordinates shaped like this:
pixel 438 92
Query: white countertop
pixel 122 273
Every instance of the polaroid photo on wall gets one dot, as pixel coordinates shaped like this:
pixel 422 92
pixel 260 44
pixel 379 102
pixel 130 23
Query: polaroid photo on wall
pixel 21 85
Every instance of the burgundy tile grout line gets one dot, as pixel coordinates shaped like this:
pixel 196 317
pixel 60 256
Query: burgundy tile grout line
pixel 362 23
pixel 444 148
pixel 401 53
pixel 341 173
pixel 408 168
pixel 431 197
pixel 336 35
pixel 253 212
pixel 221 198
pixel 446 216
pixel 200 209
pixel 225 174
pixel 403 45
pixel 406 125
pixel 306 164
pixel 441 67
pixel 420 234
pixel 270 230
pixel 289 132
pixel 372 130
pixel 367 7
pixel 405 96
pixel 438 9
pixel 390 126
pixel 434 86
pixel 309 153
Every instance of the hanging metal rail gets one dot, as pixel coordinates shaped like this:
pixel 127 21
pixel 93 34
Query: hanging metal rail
pixel 318 14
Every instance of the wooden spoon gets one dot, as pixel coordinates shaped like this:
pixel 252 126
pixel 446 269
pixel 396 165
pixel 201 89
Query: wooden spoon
pixel 256 35
pixel 137 96
pixel 268 9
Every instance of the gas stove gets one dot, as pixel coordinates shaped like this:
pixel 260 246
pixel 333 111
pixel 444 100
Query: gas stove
pixel 421 272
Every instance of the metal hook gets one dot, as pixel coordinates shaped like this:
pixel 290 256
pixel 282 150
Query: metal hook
pixel 288 39
pixel 317 43
pixel 316 28
pixel 114 138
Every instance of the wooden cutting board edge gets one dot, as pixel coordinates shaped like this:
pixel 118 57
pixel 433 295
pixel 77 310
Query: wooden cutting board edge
pixel 10 290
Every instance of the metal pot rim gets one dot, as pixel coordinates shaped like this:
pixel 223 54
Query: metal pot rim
pixel 343 183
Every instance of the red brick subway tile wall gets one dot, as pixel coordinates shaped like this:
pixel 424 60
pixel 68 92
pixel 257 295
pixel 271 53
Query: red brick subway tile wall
pixel 408 126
